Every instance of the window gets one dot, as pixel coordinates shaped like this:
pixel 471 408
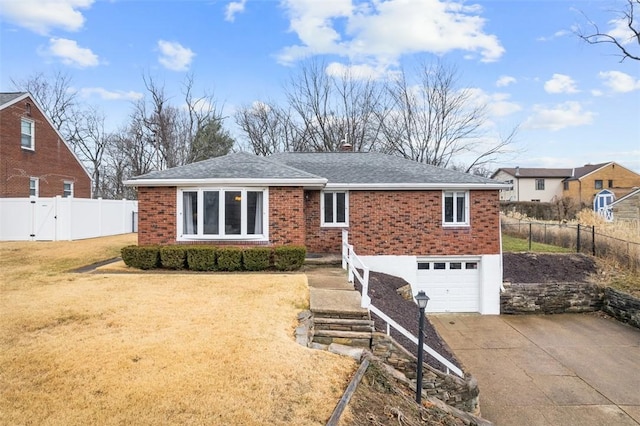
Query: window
pixel 34 187
pixel 27 134
pixel 565 186
pixel 455 208
pixel 423 265
pixel 539 184
pixel 471 265
pixel 610 183
pixel 455 265
pixel 598 184
pixel 67 189
pixel 334 208
pixel 439 265
pixel 212 213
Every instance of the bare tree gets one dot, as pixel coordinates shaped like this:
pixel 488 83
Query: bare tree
pixel 269 128
pixel 434 121
pixel 54 93
pixel 628 45
pixel 89 140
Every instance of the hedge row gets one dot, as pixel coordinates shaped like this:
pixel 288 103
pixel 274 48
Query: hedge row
pixel 212 258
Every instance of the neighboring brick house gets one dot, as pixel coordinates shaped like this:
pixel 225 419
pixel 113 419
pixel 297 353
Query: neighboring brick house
pixel 436 228
pixel 35 160
pixel 580 183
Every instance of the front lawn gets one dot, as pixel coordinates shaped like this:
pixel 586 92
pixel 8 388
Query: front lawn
pixel 79 349
pixel 514 244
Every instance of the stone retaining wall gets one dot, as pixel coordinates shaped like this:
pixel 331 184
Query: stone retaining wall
pixel 558 298
pixel 550 298
pixel 622 306
pixel 452 390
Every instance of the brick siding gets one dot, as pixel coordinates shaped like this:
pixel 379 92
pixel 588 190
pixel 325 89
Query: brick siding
pixel 407 223
pixel 380 222
pixel 584 190
pixel 51 161
pixel 156 215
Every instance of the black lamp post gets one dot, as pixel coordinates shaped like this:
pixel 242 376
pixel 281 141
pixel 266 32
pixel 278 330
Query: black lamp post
pixel 422 300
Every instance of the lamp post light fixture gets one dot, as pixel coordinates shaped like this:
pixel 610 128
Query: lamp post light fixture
pixel 422 299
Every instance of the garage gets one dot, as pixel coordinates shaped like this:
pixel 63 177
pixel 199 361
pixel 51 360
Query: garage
pixel 453 285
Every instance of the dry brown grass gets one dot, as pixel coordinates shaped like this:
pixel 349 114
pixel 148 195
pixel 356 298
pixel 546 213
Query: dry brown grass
pixel 153 348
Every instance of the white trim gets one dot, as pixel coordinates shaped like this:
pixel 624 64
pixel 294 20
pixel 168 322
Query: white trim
pixel 227 182
pixel 221 218
pixel 71 186
pixel 36 180
pixel 335 224
pixel 467 210
pixel 600 168
pixel 415 186
pixel 631 194
pixel 31 147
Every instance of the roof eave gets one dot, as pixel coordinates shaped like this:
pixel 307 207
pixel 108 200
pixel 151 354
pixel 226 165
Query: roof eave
pixel 307 183
pixel 416 186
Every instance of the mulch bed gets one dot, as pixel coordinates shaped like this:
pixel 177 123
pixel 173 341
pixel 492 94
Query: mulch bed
pixel 547 267
pixel 382 290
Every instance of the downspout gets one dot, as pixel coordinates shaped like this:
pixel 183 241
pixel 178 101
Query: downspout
pixel 502 290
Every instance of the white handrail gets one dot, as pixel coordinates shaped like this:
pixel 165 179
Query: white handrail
pixel 428 349
pixel 349 257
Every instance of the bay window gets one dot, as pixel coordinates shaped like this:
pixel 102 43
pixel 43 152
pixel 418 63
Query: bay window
pixel 455 208
pixel 223 213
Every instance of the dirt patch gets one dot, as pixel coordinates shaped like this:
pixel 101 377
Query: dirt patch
pixel 547 267
pixel 382 400
pixel 384 295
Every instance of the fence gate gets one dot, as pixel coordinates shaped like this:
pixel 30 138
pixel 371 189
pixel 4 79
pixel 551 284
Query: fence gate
pixel 44 215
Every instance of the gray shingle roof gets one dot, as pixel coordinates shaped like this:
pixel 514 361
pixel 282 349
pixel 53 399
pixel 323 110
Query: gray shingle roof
pixel 528 172
pixel 6 97
pixel 239 166
pixel 373 168
pixel 585 170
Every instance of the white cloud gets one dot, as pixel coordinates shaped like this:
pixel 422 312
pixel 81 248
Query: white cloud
pixel 380 32
pixel 555 35
pixel 505 80
pixel 619 82
pixel 360 71
pixel 567 114
pixel 70 53
pixel 620 31
pixel 110 95
pixel 234 8
pixel 174 56
pixel 498 104
pixel 560 83
pixel 42 16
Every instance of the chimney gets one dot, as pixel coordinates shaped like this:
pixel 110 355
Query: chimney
pixel 517 171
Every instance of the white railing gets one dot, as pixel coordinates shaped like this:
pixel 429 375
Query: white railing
pixel 351 262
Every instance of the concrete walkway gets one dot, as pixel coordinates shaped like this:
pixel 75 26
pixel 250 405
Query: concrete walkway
pixel 549 370
pixel 330 292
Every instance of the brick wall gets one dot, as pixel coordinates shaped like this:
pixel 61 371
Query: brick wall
pixel 286 216
pixel 156 215
pixel 51 161
pixel 407 223
pixel 584 190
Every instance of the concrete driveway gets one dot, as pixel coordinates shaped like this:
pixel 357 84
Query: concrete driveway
pixel 549 370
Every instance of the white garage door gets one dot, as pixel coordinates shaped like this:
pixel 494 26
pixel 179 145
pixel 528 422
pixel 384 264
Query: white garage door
pixel 452 285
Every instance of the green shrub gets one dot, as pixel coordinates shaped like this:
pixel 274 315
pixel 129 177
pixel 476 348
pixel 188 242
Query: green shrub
pixel 256 258
pixel 201 258
pixel 289 258
pixel 173 257
pixel 141 257
pixel 229 259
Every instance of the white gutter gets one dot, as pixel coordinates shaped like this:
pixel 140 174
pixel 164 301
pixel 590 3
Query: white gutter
pixel 415 186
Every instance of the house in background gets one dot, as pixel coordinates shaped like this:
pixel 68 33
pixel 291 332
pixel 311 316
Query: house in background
pixel 35 160
pixel 531 184
pixel 594 185
pixel 436 228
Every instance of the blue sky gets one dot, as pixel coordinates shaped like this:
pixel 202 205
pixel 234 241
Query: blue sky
pixel 575 103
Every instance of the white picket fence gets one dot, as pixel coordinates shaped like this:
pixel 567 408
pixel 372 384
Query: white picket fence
pixel 54 219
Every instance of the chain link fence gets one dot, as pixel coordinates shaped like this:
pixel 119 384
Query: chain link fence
pixel 580 238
